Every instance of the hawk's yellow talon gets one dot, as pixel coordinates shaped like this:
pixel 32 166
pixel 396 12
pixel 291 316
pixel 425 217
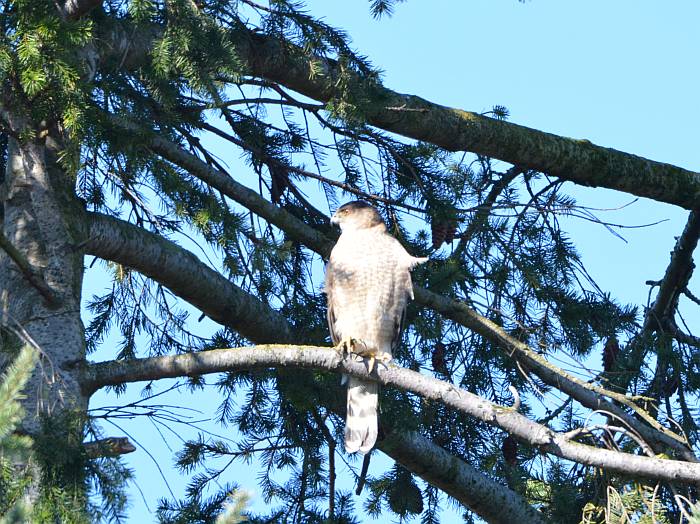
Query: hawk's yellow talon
pixel 371 363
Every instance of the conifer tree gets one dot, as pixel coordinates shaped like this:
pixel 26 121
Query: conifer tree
pixel 107 111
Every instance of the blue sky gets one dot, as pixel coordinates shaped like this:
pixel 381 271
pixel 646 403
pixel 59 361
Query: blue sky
pixel 622 74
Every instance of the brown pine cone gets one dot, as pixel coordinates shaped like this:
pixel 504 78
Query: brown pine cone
pixel 509 448
pixel 610 353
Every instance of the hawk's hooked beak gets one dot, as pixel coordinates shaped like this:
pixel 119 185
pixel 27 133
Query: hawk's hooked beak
pixel 334 220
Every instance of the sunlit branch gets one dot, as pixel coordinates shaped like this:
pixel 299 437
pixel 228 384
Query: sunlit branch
pixel 312 357
pixel 187 277
pixel 208 285
pixel 579 161
pixel 589 395
pixel 453 129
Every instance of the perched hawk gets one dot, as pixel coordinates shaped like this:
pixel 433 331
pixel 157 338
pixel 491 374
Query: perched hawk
pixel 368 285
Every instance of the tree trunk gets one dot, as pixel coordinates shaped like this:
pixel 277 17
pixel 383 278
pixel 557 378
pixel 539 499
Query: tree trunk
pixel 42 221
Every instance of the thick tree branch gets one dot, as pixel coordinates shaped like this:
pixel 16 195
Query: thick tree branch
pixel 209 291
pixel 329 359
pixel 459 479
pixel 589 395
pixel 578 161
pixel 187 277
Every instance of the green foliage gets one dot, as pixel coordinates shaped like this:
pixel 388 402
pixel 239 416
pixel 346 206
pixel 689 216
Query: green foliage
pixel 41 54
pixel 507 256
pixel 381 8
pixel 695 514
pixel 14 448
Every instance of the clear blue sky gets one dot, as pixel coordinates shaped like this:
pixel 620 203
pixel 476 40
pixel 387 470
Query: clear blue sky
pixel 622 74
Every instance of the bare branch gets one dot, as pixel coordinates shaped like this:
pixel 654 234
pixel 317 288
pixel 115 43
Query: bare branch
pixel 329 359
pixel 181 272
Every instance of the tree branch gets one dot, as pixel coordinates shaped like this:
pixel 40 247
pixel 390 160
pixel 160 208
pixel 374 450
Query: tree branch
pixel 578 161
pixel 588 395
pixel 329 359
pixel 660 317
pixel 459 479
pixel 108 447
pixel 116 240
pixel 677 275
pixel 187 277
pixel 30 274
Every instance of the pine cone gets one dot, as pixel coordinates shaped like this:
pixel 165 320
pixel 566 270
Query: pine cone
pixel 438 358
pixel 450 231
pixel 280 182
pixel 509 448
pixel 670 386
pixel 610 353
pixel 439 231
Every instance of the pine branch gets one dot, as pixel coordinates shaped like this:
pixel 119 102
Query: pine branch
pixel 578 161
pixel 660 317
pixel 676 277
pixel 589 395
pixel 453 129
pixel 113 239
pixel 329 359
pixel 12 382
pixel 187 277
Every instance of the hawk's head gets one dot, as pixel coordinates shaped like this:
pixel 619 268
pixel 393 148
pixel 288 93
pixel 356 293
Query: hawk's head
pixel 356 215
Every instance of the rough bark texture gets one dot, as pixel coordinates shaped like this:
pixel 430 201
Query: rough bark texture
pixel 39 221
pixel 312 357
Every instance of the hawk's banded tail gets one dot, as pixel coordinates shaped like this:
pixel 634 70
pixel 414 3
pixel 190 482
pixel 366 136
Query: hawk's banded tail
pixel 361 419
